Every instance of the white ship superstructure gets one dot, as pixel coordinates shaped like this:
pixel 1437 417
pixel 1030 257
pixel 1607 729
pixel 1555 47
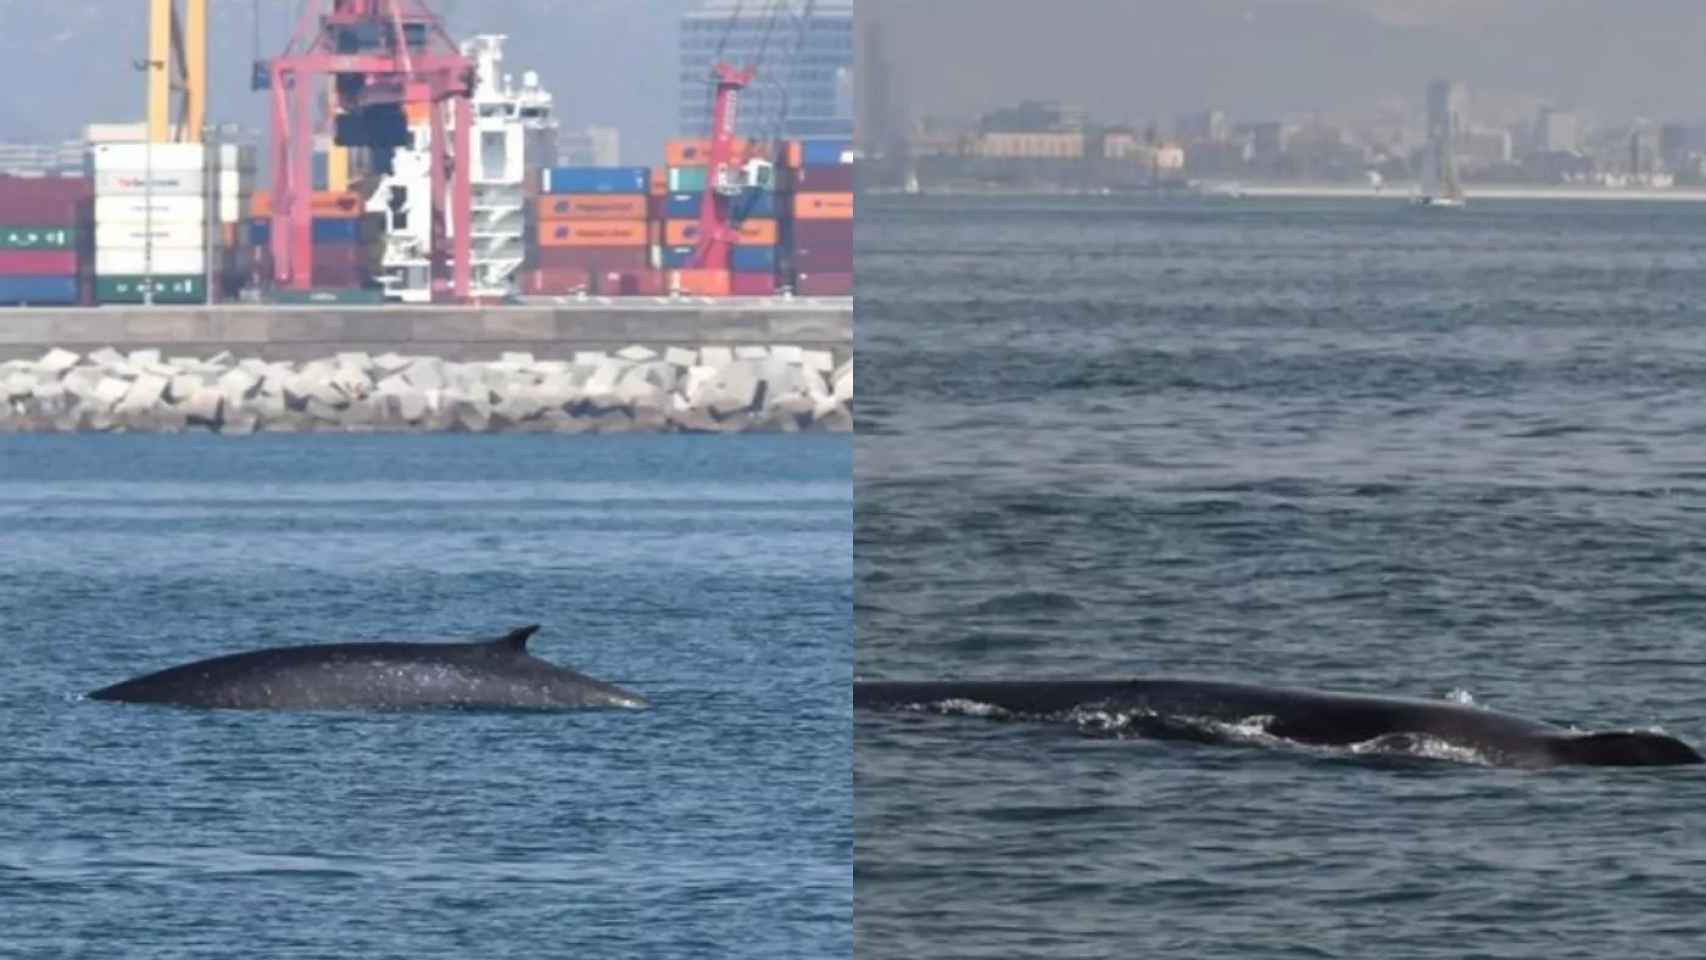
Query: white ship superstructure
pixel 515 131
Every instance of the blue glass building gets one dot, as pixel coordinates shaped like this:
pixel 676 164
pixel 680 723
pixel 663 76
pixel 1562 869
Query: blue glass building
pixel 803 50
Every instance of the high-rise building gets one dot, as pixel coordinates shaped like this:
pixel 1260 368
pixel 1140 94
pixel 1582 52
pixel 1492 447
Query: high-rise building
pixel 1448 111
pixel 1557 131
pixel 1206 126
pixel 803 52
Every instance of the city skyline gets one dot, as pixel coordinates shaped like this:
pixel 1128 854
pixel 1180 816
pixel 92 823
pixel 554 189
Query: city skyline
pixel 1350 62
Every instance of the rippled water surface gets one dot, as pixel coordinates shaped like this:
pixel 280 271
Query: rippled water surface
pixel 709 573
pixel 1339 444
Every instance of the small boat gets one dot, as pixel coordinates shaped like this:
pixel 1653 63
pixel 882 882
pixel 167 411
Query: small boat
pixel 1439 187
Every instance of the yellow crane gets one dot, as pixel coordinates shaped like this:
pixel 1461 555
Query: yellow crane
pixel 177 64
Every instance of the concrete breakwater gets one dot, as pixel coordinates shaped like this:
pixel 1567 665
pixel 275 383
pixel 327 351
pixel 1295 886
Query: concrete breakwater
pixel 713 389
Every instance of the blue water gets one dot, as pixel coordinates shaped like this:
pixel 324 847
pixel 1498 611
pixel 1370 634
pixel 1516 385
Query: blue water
pixel 1339 444
pixel 710 574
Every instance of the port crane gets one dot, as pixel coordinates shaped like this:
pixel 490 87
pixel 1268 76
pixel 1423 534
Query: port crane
pixel 379 57
pixel 177 64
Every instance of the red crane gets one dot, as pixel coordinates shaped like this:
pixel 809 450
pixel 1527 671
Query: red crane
pixel 380 55
pixel 725 178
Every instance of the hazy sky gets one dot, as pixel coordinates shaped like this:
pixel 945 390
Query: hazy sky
pixel 1141 59
pixel 609 62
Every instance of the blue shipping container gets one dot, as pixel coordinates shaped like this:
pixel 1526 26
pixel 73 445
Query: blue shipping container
pixel 56 291
pixel 597 180
pixel 678 258
pixel 825 153
pixel 260 232
pixel 753 259
pixel 751 205
pixel 337 231
pixel 321 174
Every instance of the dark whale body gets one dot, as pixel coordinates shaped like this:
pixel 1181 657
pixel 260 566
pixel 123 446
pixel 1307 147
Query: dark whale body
pixel 1179 708
pixel 498 674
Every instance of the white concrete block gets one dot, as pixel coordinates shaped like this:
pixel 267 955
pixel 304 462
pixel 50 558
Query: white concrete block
pixel 183 386
pixel 391 362
pixel 144 393
pixel 591 358
pixel 204 404
pixel 603 380
pixel 786 354
pixel 236 384
pixel 111 390
pixel 752 353
pixel 679 357
pixel 106 357
pixel 18 385
pixel 516 359
pixel 184 364
pixel 736 389
pixel 58 361
pixel 354 360
pixel 821 361
pixel 143 358
pixel 393 386
pixel 412 406
pixel 221 359
pixel 637 354
pixel 425 375
pixel 716 356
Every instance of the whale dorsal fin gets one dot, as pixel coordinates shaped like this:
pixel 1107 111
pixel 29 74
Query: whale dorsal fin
pixel 516 640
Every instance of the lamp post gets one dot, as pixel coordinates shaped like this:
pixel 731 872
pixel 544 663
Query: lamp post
pixel 143 66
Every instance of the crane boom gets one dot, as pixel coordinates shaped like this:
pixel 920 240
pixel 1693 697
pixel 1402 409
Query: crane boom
pixel 177 58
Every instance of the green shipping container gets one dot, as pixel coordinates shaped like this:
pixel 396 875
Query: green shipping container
pixel 128 288
pixel 686 179
pixel 350 296
pixel 37 238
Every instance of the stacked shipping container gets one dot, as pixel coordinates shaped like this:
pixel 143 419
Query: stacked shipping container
pixel 344 240
pixel 818 236
pixel 591 231
pixel 151 221
pixel 44 239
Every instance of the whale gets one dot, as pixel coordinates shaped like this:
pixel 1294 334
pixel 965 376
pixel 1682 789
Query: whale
pixel 1211 711
pixel 485 674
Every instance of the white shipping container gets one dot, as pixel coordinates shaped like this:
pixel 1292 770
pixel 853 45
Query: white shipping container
pixel 235 189
pixel 128 261
pixel 139 207
pixel 127 183
pixel 165 233
pixel 175 157
pixel 233 156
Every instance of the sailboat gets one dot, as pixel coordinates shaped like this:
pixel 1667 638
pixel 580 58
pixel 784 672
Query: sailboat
pixel 1439 178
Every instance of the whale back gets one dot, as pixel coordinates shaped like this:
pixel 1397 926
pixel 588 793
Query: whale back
pixel 1631 748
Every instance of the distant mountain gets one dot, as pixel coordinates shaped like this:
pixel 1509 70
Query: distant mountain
pixel 66 63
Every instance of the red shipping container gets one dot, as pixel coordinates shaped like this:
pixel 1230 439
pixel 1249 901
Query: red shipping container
pixel 40 263
pixel 821 234
pixel 752 285
pixel 657 207
pixel 638 283
pixel 824 285
pixel 555 281
pixel 837 179
pixel 593 259
pixel 821 261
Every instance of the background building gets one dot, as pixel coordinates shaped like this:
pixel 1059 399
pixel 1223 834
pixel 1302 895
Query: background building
pixel 591 147
pixel 804 54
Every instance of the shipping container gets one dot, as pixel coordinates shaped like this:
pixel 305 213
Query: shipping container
pixel 696 151
pixel 37 263
pixel 137 183
pixel 823 206
pixel 592 258
pixel 824 284
pixel 44 291
pixel 819 153
pixel 678 258
pixel 595 180
pixel 175 157
pixel 160 207
pixel 751 204
pixel 260 232
pixel 330 276
pixel 38 238
pixel 752 284
pixel 660 182
pixel 700 283
pixel 137 234
pixel 337 230
pixel 593 206
pixel 836 179
pixel 327 204
pixel 593 233
pixel 752 259
pixel 167 289
pixel 555 281
pixel 818 234
pixel 687 179
pixel 163 261
pixel 636 283
pixel 821 261
pixel 751 232
pixel 682 206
